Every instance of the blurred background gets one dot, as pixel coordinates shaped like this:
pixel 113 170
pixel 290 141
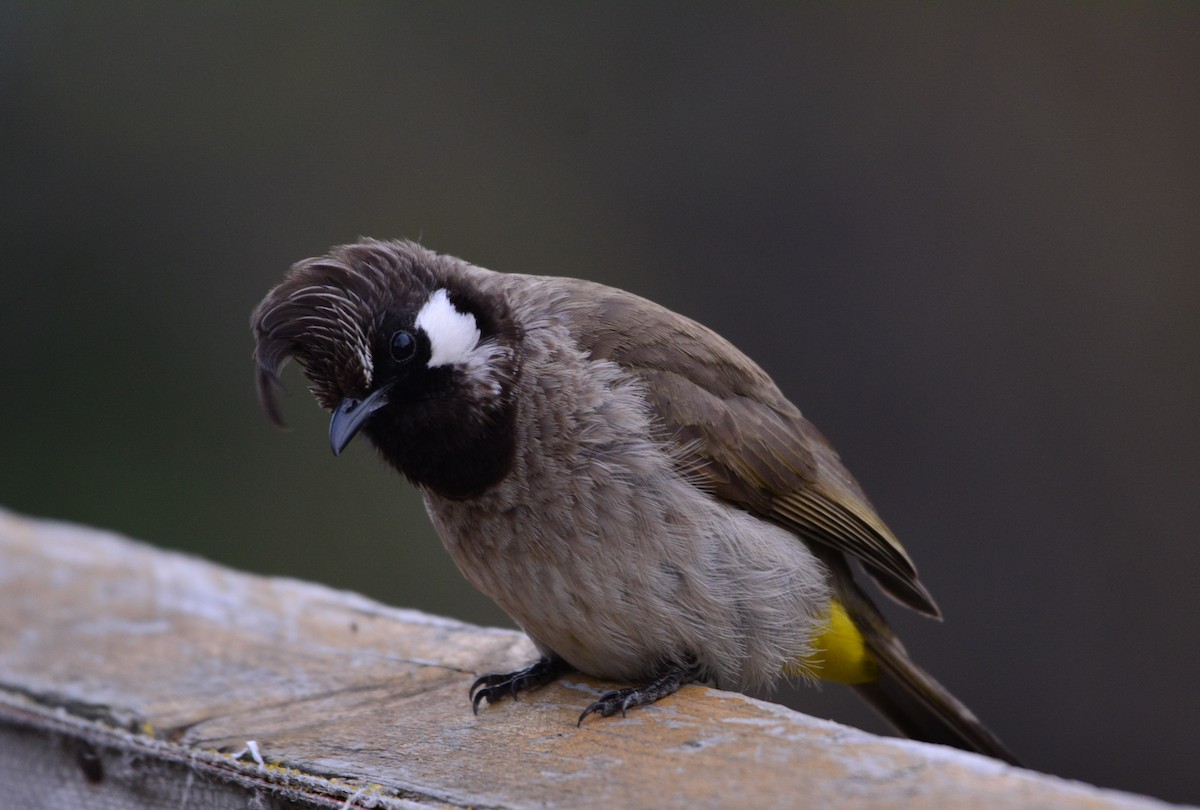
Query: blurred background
pixel 965 241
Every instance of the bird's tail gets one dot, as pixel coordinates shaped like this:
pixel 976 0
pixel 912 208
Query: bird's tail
pixel 907 696
pixel 921 708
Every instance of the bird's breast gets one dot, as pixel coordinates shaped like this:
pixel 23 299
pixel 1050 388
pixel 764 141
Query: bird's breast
pixel 599 546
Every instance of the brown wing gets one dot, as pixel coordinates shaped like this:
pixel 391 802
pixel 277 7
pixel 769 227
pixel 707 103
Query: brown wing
pixel 745 440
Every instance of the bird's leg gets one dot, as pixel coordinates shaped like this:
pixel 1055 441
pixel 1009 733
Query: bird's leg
pixel 495 686
pixel 622 700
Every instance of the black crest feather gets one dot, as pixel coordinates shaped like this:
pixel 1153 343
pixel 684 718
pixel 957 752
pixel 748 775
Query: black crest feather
pixel 326 314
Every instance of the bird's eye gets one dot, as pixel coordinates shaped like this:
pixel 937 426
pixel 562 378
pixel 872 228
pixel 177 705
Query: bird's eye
pixel 404 346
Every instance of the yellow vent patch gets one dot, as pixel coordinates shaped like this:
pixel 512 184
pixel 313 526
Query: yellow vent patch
pixel 839 653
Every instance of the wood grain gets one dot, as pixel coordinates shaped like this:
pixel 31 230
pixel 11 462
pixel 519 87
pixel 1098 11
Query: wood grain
pixel 134 677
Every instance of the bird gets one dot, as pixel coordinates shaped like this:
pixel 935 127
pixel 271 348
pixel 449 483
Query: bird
pixel 631 489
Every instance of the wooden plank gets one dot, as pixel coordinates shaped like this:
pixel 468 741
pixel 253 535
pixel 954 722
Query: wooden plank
pixel 134 677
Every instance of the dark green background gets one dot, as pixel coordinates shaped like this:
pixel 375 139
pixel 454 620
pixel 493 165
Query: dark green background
pixel 965 241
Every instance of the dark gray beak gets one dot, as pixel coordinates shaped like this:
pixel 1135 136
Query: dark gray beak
pixel 350 416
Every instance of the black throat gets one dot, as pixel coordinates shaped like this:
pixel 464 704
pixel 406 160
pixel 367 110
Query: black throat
pixel 447 445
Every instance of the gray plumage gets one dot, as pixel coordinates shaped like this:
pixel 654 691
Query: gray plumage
pixel 630 488
pixel 603 548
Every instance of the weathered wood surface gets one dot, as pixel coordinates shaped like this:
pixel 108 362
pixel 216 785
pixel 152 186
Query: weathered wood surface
pixel 134 677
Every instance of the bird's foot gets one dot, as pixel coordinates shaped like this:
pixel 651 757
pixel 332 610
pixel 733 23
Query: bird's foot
pixel 621 700
pixel 494 687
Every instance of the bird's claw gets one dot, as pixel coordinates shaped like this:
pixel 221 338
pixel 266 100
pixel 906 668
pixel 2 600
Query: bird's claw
pixel 610 703
pixel 622 700
pixel 495 686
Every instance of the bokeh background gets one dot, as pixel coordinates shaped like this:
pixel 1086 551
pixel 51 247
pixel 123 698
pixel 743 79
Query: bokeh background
pixel 965 240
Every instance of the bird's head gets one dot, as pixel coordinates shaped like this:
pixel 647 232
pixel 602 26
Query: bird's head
pixel 413 349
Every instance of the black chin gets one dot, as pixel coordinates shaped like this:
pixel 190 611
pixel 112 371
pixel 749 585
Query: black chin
pixel 449 446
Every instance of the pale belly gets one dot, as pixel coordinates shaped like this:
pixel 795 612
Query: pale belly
pixel 625 585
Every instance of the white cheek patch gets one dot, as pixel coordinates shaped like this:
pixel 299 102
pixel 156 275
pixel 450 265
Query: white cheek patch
pixel 453 335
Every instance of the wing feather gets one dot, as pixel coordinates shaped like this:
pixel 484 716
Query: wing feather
pixel 749 445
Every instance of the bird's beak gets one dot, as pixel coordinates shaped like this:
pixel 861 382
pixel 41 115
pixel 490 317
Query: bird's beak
pixel 351 414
